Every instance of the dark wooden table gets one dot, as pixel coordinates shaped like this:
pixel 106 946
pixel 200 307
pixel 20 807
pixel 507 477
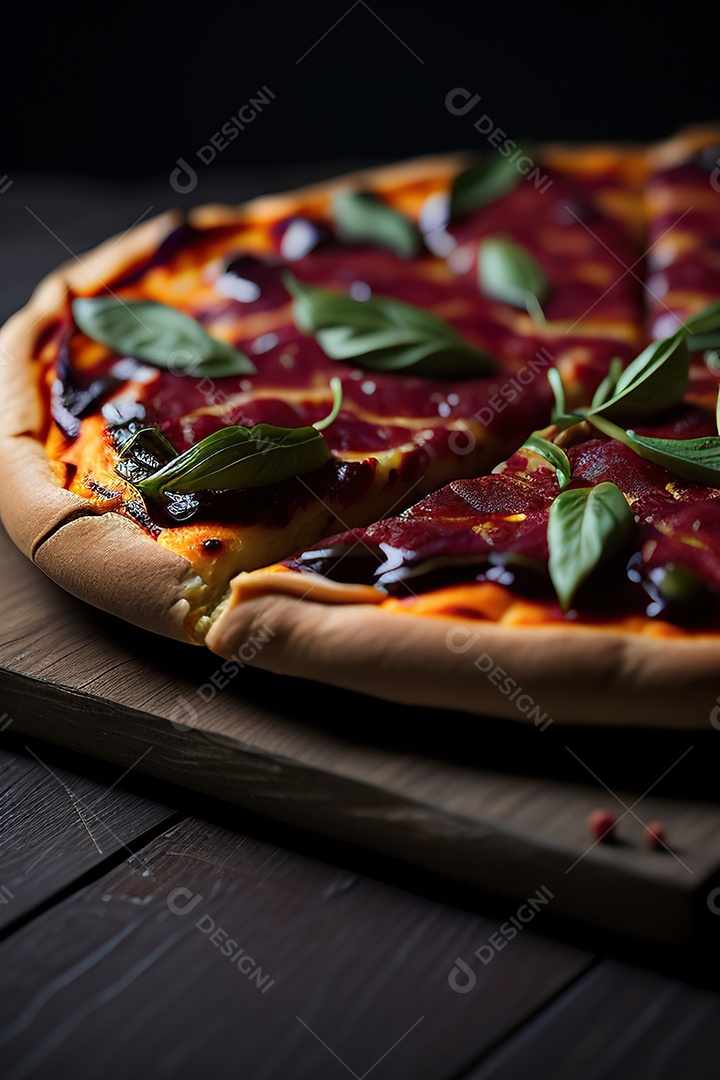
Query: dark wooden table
pixel 148 928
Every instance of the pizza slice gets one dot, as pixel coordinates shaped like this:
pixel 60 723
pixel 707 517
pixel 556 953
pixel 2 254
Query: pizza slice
pixel 580 581
pixel 204 396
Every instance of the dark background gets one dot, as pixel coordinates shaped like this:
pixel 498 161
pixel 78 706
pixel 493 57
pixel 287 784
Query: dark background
pixel 124 91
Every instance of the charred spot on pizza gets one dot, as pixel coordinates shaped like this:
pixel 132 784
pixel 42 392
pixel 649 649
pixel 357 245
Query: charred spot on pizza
pixel 183 238
pixel 142 453
pixel 677 592
pixel 72 399
pixel 136 510
pixel 102 492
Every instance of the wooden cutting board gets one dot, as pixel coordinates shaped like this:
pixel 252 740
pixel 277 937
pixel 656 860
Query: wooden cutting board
pixel 498 805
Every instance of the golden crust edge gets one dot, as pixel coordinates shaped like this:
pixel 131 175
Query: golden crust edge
pixel 578 675
pixel 115 555
pixel 377 178
pixel 384 177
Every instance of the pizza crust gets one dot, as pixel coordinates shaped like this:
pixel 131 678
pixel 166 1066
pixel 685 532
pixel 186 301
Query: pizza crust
pixel 105 559
pixel 578 675
pixel 122 571
pixel 317 196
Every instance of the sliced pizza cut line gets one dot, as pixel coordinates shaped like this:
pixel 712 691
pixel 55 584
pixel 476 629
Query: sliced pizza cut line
pixel 640 649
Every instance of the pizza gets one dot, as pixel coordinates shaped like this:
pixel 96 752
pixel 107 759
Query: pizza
pixel 414 414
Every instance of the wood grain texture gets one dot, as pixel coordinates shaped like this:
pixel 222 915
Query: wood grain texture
pixel 353 973
pixel 616 1023
pixel 500 806
pixel 56 826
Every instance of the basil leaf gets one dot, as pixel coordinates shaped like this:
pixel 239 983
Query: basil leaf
pixel 704 342
pixel 482 184
pixel 383 334
pixel 360 217
pixel 556 385
pixel 607 387
pixel 693 459
pixel 586 526
pixel 507 272
pixel 239 457
pixel 702 330
pixel 654 381
pixel 703 322
pixel 558 414
pixel 158 335
pixel 553 454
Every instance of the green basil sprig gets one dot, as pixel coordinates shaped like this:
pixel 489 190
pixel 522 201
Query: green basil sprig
pixel 383 334
pixel 586 526
pixel 559 415
pixel 693 459
pixel 239 457
pixel 509 273
pixel 655 380
pixel 482 184
pixel 703 328
pixel 697 460
pixel 607 387
pixel 361 217
pixel 555 455
pixel 704 343
pixel 159 335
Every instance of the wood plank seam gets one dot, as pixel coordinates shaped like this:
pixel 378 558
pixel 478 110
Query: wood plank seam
pixel 101 869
